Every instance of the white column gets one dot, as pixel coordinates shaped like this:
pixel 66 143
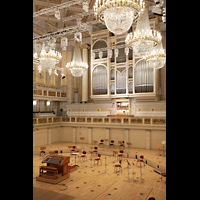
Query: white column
pixel 85 75
pixel 48 136
pixel 107 135
pixel 148 139
pixel 74 134
pixel 89 135
pixel 126 137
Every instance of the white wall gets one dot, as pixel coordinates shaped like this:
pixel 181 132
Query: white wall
pixel 137 137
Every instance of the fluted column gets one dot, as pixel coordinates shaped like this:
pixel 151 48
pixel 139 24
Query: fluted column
pixel 85 75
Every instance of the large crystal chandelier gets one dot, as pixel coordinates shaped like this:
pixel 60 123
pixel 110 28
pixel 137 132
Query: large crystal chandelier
pixel 118 15
pixel 47 59
pixel 157 57
pixel 143 39
pixel 77 67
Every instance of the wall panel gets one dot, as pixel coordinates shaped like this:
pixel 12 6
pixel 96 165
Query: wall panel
pixel 157 137
pixel 98 134
pixel 137 138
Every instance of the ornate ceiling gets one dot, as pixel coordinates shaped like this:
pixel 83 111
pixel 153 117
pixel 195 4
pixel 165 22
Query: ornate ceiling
pixel 45 23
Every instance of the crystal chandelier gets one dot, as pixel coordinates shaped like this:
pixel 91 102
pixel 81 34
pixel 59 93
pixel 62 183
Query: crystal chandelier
pixel 143 39
pixel 118 15
pixel 77 67
pixel 157 57
pixel 47 59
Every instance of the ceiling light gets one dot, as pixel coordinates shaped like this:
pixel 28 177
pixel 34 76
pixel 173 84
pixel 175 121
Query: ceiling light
pixel 77 67
pixel 157 57
pixel 118 15
pixel 143 39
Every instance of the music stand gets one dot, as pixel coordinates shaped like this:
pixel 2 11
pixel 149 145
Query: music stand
pixel 91 158
pixel 163 145
pixel 120 143
pixel 141 179
pixel 128 173
pixel 82 138
pixel 106 140
pixel 133 173
pixel 127 165
pixel 129 144
pixel 94 142
pixel 106 165
pixel 115 152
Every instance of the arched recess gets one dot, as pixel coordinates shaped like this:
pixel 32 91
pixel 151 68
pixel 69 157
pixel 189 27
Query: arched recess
pixel 144 77
pixel 99 80
pixel 98 45
pixel 121 81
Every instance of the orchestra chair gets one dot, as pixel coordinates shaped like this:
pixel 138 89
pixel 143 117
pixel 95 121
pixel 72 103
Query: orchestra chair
pixel 101 142
pixel 83 156
pixel 94 142
pixel 51 152
pixel 118 166
pixel 122 145
pixel 96 150
pixel 120 155
pixel 159 147
pixel 129 144
pixel 98 159
pixel 140 160
pixel 56 152
pixel 115 153
pixel 73 149
pixel 112 143
pixel 42 152
pixel 163 175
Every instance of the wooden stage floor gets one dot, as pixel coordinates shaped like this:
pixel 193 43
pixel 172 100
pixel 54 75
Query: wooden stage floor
pixel 89 183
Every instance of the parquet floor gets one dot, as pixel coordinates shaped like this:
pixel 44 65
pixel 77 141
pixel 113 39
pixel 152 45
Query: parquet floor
pixel 89 183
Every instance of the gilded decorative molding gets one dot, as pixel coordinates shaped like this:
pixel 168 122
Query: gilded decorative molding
pixel 103 120
pixel 51 93
pixel 34 120
pixel 63 94
pixel 159 121
pixel 72 119
pixel 65 119
pixel 115 120
pixel 106 120
pixel 56 119
pixel 136 121
pixel 89 119
pixel 37 92
pixel 97 120
pixel 42 120
pixel 58 94
pixel 80 119
pixel 147 121
pixel 125 120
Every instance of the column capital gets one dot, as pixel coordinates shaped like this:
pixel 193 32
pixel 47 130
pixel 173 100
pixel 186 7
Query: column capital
pixel 84 46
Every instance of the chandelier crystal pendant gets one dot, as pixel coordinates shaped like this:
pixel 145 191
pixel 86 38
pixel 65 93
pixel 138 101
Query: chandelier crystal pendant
pixel 157 57
pixel 47 59
pixel 118 15
pixel 77 67
pixel 143 39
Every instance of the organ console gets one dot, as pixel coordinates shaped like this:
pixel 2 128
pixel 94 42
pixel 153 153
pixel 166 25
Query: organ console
pixel 56 169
